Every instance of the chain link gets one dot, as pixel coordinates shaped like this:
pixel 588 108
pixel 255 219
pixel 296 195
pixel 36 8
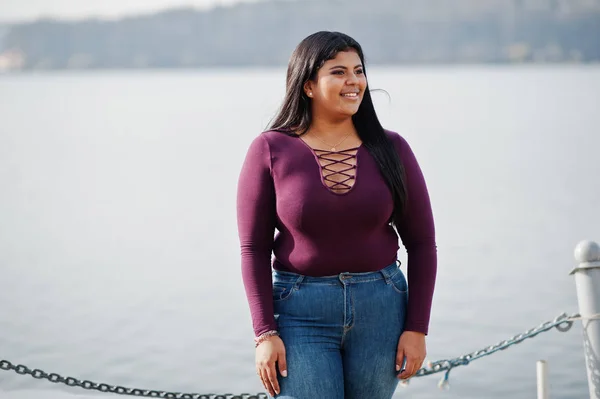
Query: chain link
pixel 89 385
pixel 562 323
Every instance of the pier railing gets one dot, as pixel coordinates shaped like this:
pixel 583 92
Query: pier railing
pixel 587 281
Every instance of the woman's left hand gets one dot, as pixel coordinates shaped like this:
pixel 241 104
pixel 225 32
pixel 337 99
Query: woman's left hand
pixel 412 346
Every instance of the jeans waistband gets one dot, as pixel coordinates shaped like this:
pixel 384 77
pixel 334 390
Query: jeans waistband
pixel 362 277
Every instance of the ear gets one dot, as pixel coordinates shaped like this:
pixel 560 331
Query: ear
pixel 308 88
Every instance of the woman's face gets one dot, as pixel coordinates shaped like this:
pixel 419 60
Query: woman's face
pixel 339 86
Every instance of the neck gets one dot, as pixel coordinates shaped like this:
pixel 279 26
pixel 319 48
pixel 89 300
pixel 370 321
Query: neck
pixel 331 130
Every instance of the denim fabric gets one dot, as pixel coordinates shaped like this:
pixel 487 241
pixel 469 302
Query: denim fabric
pixel 340 333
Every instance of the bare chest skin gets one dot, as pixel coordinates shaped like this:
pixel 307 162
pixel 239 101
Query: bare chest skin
pixel 338 164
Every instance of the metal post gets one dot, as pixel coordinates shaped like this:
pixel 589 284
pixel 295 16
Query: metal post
pixel 587 281
pixel 542 379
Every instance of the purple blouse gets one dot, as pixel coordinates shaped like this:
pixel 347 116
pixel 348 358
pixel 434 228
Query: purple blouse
pixel 321 232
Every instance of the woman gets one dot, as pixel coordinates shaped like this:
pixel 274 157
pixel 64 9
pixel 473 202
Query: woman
pixel 334 319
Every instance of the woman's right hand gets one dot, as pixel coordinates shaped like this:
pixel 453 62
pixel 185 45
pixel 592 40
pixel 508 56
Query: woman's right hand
pixel 270 353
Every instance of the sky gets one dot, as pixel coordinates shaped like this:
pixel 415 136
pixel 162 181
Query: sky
pixel 26 10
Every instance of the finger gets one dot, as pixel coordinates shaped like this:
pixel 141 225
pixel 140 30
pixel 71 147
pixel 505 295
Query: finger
pixel 265 382
pixel 410 365
pixel 399 359
pixel 413 370
pixel 416 366
pixel 282 363
pixel 272 377
pixel 262 381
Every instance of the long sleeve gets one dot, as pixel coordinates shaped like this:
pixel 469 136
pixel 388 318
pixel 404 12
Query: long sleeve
pixel 256 226
pixel 417 232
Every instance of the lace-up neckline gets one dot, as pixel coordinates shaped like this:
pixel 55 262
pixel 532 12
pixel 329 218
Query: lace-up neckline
pixel 337 168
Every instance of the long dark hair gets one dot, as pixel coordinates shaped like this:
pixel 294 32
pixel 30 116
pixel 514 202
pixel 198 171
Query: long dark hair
pixel 295 115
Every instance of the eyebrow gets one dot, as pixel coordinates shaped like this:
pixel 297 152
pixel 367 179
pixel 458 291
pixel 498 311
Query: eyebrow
pixel 343 67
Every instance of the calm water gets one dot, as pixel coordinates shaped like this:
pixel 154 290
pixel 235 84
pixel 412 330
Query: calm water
pixel 119 257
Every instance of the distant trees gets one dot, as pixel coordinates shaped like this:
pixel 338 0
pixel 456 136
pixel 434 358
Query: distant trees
pixel 264 33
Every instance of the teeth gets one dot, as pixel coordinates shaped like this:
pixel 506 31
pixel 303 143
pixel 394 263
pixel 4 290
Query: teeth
pixel 350 94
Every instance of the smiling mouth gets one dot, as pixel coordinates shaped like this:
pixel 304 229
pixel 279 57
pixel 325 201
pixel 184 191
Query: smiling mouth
pixel 350 95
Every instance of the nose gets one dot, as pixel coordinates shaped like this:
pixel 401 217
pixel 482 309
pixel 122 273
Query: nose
pixel 352 79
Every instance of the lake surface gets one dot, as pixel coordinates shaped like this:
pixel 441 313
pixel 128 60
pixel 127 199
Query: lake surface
pixel 119 259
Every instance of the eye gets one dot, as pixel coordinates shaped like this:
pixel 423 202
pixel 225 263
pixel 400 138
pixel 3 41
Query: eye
pixel 338 72
pixel 359 71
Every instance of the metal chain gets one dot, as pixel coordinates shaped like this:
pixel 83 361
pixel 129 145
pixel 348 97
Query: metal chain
pixel 85 384
pixel 562 323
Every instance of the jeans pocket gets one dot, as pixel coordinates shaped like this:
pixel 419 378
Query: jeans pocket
pixel 398 282
pixel 282 290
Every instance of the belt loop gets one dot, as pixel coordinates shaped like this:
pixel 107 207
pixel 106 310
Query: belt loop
pixel 298 281
pixel 385 274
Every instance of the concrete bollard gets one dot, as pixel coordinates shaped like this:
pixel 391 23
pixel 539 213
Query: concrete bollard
pixel 542 379
pixel 587 281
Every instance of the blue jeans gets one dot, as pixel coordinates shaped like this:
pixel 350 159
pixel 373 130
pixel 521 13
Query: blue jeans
pixel 340 333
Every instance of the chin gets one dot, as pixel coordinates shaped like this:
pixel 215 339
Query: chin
pixel 350 112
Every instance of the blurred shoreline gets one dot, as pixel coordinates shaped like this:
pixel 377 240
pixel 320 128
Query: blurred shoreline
pixel 263 34
pixel 535 68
